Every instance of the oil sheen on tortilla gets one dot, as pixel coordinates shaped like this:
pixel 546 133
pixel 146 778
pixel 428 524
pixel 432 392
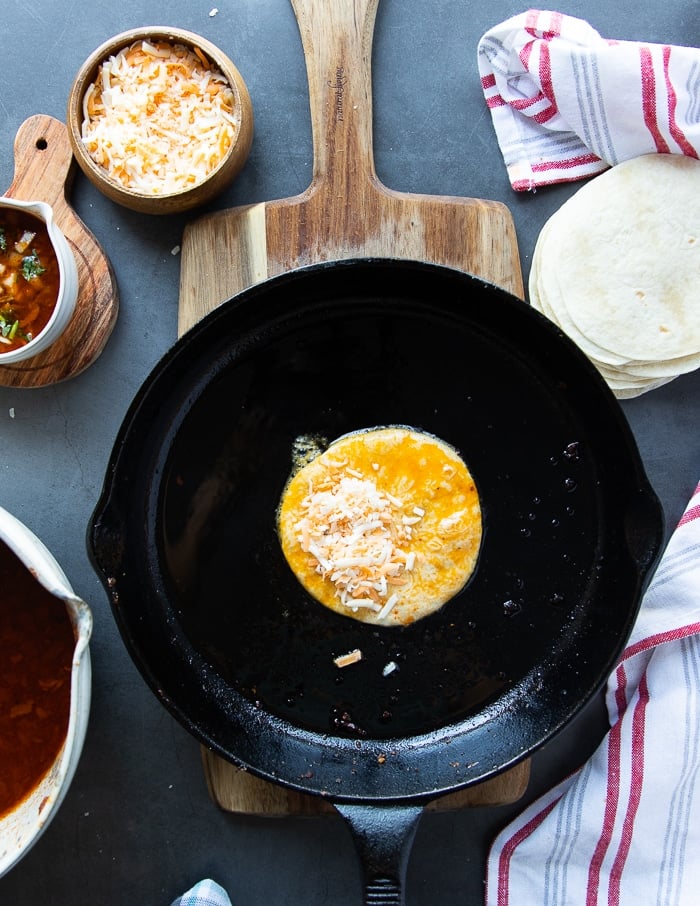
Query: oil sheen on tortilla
pixel 384 526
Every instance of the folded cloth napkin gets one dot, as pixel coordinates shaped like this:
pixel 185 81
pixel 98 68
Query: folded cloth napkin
pixel 624 830
pixel 204 893
pixel 567 103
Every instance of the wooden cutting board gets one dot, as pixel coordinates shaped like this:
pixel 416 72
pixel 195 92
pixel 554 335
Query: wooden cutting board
pixel 345 212
pixel 44 168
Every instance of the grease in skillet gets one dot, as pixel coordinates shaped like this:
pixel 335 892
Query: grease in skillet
pixel 384 526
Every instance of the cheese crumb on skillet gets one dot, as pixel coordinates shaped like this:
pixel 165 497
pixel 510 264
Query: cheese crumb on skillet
pixel 345 660
pixel 159 117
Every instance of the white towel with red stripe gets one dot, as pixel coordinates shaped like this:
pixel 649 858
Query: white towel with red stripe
pixel 567 103
pixel 204 893
pixel 624 830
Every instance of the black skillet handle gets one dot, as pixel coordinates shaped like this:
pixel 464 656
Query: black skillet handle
pixel 644 528
pixel 106 540
pixel 383 836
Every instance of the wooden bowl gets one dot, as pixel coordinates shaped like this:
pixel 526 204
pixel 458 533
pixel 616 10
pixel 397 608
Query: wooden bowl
pixel 167 202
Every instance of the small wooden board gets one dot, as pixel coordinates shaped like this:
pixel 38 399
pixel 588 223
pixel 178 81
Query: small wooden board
pixel 346 212
pixel 44 167
pixel 235 790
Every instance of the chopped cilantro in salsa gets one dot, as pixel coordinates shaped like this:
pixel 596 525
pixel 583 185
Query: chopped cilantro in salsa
pixel 9 326
pixel 31 266
pixel 30 278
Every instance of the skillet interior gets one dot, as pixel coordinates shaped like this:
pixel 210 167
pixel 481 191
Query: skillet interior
pixel 223 631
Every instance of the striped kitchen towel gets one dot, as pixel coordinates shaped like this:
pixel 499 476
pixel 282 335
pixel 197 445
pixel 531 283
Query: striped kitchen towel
pixel 204 893
pixel 567 103
pixel 624 830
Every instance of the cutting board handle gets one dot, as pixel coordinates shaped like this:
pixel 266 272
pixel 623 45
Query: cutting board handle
pixel 337 41
pixel 43 162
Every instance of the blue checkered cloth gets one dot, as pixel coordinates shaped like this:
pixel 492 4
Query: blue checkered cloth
pixel 204 893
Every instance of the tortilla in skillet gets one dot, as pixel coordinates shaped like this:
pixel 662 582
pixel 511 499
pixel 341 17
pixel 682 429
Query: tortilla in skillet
pixel 384 526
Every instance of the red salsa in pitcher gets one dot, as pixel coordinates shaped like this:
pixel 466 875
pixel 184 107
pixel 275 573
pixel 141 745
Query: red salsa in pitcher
pixel 29 277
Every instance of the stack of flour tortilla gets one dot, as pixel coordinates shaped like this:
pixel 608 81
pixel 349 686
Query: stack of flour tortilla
pixel 617 268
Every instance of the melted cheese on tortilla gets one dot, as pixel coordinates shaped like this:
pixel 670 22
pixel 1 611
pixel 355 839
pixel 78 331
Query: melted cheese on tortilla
pixel 384 526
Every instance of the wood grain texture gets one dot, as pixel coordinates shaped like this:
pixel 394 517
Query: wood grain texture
pixel 44 167
pixel 235 790
pixel 345 212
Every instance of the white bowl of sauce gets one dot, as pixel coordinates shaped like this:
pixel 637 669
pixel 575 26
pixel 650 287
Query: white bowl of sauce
pixel 38 280
pixel 45 687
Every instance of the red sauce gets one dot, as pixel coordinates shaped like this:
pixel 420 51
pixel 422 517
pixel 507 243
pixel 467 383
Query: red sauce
pixel 29 278
pixel 36 653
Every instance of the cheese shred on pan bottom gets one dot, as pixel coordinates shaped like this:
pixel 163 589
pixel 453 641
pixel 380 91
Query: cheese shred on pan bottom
pixel 384 526
pixel 159 117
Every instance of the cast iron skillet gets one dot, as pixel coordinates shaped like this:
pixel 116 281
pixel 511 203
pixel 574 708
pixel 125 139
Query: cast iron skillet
pixel 183 538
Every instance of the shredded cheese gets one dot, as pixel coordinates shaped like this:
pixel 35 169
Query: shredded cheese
pixel 159 117
pixel 345 660
pixel 356 534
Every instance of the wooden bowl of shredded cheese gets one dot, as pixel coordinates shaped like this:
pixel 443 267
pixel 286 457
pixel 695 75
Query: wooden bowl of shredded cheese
pixel 159 119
